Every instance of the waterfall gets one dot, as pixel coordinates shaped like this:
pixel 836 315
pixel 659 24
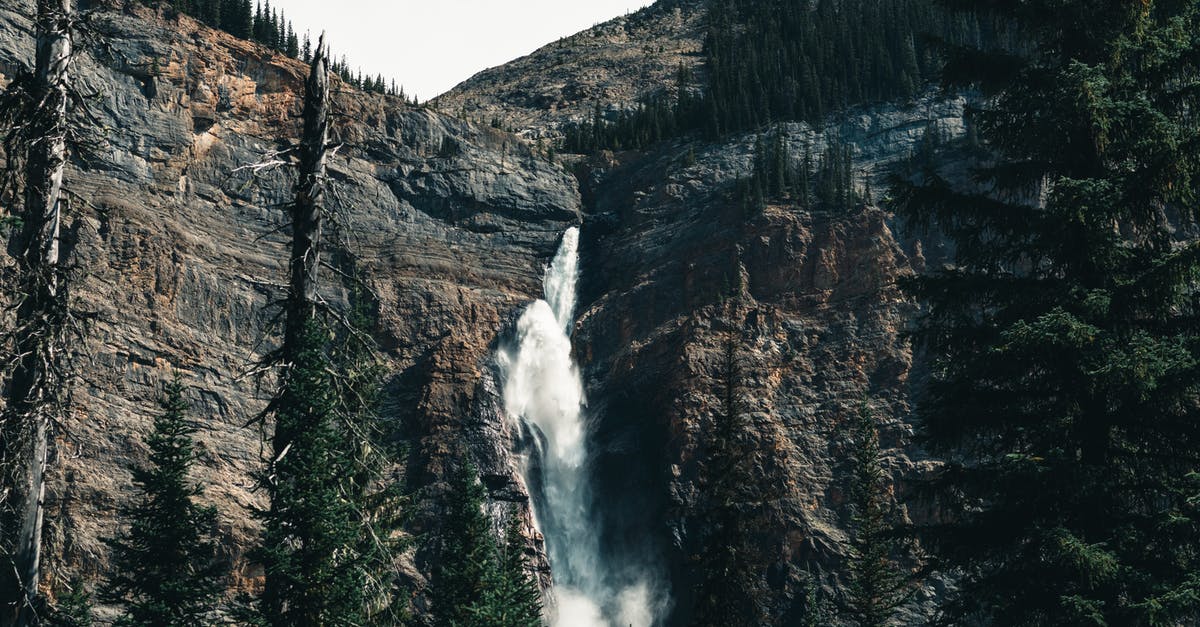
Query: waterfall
pixel 542 388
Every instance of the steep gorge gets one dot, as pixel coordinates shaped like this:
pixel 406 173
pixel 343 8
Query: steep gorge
pixel 454 224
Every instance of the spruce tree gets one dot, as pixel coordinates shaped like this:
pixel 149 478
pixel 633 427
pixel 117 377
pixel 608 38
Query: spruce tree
pixel 812 611
pixel 1063 340
pixel 730 566
pixel 73 607
pixel 512 597
pixel 315 571
pixel 292 43
pixel 244 26
pixel 877 586
pixel 165 569
pixel 331 532
pixel 477 581
pixel 467 556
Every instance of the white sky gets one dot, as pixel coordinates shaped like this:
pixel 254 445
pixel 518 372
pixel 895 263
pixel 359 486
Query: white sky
pixel 429 46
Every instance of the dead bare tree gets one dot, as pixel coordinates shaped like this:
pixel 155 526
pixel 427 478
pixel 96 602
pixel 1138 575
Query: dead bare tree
pixel 295 418
pixel 34 390
pixel 307 217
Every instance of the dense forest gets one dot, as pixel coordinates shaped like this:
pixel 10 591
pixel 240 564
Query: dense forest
pixel 1063 383
pixel 778 61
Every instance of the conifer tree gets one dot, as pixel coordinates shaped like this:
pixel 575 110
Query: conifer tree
pixel 729 564
pixel 804 189
pixel 813 612
pixel 331 532
pixel 769 61
pixel 512 597
pixel 1063 339
pixel 73 609
pixel 877 586
pixel 35 127
pixel 477 581
pixel 257 31
pixel 165 570
pixel 292 43
pixel 328 534
pixel 314 569
pixel 467 556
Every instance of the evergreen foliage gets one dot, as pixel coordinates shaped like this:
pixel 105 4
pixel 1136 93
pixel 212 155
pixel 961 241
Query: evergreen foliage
pixel 165 570
pixel 729 563
pixel 877 586
pixel 657 117
pixel 777 60
pixel 512 597
pixel 375 485
pixel 813 612
pixel 780 60
pixel 1064 343
pixel 828 184
pixel 258 22
pixel 476 582
pixel 73 609
pixel 330 533
pixel 467 551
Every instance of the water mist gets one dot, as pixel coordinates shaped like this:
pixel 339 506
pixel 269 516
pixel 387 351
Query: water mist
pixel 543 389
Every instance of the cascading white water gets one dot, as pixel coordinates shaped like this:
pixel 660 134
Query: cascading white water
pixel 542 387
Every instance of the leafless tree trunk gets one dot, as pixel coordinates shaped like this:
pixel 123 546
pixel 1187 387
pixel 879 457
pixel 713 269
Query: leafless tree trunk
pixel 40 314
pixel 307 215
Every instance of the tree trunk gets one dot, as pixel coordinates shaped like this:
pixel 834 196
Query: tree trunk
pixel 304 266
pixel 307 209
pixel 39 315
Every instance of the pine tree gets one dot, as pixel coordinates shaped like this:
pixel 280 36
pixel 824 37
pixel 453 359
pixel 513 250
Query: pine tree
pixel 165 570
pixel 467 556
pixel 269 25
pixel 314 568
pixel 812 611
pixel 829 180
pixel 512 597
pixel 209 12
pixel 373 484
pixel 73 609
pixel 1063 340
pixel 259 30
pixel 244 25
pixel 228 10
pixel 729 565
pixel 331 529
pixel 877 586
pixel 279 31
pixel 804 178
pixel 478 582
pixel 292 45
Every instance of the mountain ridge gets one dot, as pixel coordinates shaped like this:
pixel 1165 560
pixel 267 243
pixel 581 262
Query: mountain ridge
pixel 613 63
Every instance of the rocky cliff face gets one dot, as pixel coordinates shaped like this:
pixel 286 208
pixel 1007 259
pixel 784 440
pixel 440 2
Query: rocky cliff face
pixel 672 263
pixel 179 255
pixel 612 64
